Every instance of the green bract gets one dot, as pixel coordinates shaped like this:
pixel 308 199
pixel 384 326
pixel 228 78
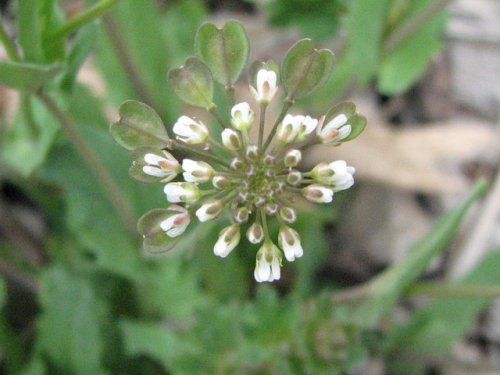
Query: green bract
pixel 139 125
pixel 306 68
pixel 224 50
pixel 193 83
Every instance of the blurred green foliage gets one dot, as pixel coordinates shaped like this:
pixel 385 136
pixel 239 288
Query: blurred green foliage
pixel 104 307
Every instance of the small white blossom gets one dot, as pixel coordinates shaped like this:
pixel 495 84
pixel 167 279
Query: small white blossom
pixel 231 139
pixel 268 264
pixel 182 192
pixel 318 193
pixel 266 86
pixel 209 210
pixel 336 130
pixel 336 174
pixel 229 237
pixel 176 224
pixel 242 116
pixel 255 234
pixel 289 241
pixel 197 171
pixel 306 127
pixel 190 131
pixel 166 167
pixel 289 127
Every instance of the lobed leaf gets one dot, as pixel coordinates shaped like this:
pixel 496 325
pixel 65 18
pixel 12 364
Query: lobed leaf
pixel 139 125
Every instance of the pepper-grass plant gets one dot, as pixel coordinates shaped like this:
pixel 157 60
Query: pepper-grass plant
pixel 253 181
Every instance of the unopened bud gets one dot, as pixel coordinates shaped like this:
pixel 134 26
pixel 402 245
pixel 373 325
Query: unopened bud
pixel 229 237
pixel 292 158
pixel 294 177
pixel 237 164
pixel 252 153
pixel 288 214
pixel 231 139
pixel 271 209
pixel 255 233
pixel 209 210
pixel 241 215
pixel 220 182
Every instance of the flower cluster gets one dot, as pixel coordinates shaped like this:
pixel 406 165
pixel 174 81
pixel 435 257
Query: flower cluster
pixel 251 181
pixel 255 184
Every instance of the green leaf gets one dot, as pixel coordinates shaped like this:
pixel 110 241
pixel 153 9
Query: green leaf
pixel 193 83
pixel 155 239
pixel 408 62
pixel 224 50
pixel 365 26
pixel 69 332
pixel 434 329
pixel 26 76
pixel 30 26
pixel 139 126
pixel 358 124
pixel 385 289
pixel 306 68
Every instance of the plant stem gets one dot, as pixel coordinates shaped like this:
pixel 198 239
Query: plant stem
pixel 128 62
pixel 108 185
pixel 262 119
pixel 230 93
pixel 263 218
pixel 83 18
pixel 286 107
pixel 201 153
pixel 9 46
pixel 455 290
pixel 412 25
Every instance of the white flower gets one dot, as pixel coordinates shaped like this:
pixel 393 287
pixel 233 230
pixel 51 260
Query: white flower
pixel 176 224
pixel 318 193
pixel 182 192
pixel 336 174
pixel 166 167
pixel 190 131
pixel 292 158
pixel 289 127
pixel 289 241
pixel 242 116
pixel 229 237
pixel 231 139
pixel 255 234
pixel 335 131
pixel 209 210
pixel 306 127
pixel 266 86
pixel 197 171
pixel 268 264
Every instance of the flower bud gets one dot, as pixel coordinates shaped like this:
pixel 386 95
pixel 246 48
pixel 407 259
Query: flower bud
pixel 318 193
pixel 289 241
pixel 231 139
pixel 268 263
pixel 190 131
pixel 242 116
pixel 209 210
pixel 220 182
pixel 288 214
pixel 182 192
pixel 161 164
pixel 240 215
pixel 292 158
pixel 197 171
pixel 252 153
pixel 271 209
pixel 287 130
pixel 229 237
pixel 306 127
pixel 176 224
pixel 237 165
pixel 336 174
pixel 266 86
pixel 294 177
pixel 335 130
pixel 255 234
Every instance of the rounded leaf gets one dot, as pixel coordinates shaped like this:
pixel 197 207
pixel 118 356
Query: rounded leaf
pixel 139 125
pixel 193 83
pixel 155 240
pixel 306 68
pixel 346 108
pixel 224 50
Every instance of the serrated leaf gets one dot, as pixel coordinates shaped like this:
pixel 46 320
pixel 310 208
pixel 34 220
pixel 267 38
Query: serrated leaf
pixel 385 289
pixel 139 126
pixel 193 83
pixel 306 68
pixel 224 50
pixel 26 76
